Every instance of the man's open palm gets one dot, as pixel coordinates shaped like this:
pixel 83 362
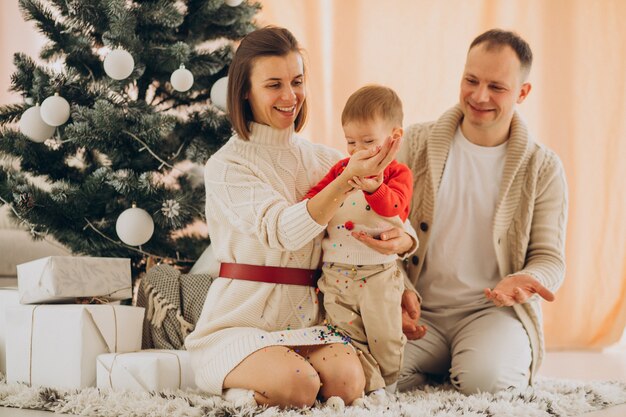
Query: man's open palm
pixel 517 289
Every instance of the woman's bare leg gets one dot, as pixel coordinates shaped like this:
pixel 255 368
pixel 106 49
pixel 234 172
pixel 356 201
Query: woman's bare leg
pixel 339 369
pixel 279 377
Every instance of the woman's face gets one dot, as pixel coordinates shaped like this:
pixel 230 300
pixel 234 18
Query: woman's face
pixel 277 89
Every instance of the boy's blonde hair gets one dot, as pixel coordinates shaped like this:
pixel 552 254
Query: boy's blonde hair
pixel 372 101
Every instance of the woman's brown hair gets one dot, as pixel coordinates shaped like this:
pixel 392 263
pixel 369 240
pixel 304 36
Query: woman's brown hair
pixel 268 41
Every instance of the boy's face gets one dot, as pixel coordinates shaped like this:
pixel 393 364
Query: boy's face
pixel 368 134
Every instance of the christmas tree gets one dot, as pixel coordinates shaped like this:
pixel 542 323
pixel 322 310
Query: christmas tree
pixel 141 79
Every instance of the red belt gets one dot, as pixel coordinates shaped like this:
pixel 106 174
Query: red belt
pixel 271 274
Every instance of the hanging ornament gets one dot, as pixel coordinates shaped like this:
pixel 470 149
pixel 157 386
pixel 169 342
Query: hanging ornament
pixel 55 110
pixel 32 125
pixel 233 3
pixel 181 79
pixel 170 209
pixel 134 226
pixel 219 93
pixel 119 64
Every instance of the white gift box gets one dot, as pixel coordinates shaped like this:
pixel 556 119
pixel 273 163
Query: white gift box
pixel 8 297
pixel 57 345
pixel 63 278
pixel 146 370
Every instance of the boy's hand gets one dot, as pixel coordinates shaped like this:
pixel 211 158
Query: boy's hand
pixel 368 184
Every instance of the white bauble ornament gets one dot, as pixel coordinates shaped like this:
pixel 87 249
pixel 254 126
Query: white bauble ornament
pixel 32 125
pixel 55 110
pixel 182 79
pixel 134 226
pixel 233 3
pixel 119 64
pixel 219 92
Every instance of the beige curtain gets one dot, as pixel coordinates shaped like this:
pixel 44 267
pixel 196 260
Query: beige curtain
pixel 577 107
pixel 16 35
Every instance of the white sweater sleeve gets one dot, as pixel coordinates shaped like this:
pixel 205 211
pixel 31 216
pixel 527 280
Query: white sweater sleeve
pixel 253 206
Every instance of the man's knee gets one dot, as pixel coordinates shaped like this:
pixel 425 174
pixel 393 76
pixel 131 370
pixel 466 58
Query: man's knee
pixel 472 380
pixel 410 379
pixel 421 359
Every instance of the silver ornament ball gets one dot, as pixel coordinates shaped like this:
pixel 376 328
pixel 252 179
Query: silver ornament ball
pixel 219 93
pixel 32 125
pixel 55 110
pixel 182 79
pixel 134 226
pixel 119 64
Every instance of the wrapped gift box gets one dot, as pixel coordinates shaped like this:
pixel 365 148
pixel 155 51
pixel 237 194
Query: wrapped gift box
pixel 8 297
pixel 57 345
pixel 64 278
pixel 146 370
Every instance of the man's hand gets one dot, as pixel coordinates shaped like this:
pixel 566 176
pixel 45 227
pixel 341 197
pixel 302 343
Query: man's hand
pixel 391 241
pixel 517 289
pixel 411 315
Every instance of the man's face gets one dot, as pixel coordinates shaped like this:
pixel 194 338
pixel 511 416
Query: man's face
pixel 492 85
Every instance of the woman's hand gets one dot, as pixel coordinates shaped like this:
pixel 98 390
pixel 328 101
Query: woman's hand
pixel 391 241
pixel 371 162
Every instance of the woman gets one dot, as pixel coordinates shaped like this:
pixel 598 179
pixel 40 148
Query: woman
pixel 260 332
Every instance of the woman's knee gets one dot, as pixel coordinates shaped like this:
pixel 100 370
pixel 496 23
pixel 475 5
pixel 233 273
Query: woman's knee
pixel 294 390
pixel 347 382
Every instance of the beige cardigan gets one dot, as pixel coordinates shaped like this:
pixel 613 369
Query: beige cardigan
pixel 530 217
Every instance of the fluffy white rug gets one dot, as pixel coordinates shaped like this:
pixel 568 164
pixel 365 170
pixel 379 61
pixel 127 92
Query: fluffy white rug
pixel 549 397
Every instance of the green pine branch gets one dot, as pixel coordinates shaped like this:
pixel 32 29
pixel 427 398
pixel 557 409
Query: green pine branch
pixel 132 140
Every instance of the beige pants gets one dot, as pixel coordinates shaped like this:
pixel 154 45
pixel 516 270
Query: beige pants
pixel 363 303
pixel 481 349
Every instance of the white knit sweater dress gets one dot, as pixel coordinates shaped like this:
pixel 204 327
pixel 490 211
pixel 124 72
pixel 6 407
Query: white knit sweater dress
pixel 255 216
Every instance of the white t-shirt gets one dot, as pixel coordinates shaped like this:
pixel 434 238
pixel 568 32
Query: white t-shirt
pixel 461 261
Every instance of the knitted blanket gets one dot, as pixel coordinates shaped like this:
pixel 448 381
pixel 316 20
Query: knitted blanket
pixel 173 303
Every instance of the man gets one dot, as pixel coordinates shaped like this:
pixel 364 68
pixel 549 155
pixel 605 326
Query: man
pixel 490 208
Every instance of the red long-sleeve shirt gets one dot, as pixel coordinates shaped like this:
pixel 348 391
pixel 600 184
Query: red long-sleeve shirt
pixel 393 197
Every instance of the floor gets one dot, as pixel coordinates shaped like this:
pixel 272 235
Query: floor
pixel 610 364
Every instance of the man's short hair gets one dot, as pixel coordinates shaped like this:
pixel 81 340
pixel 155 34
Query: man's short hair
pixel 497 38
pixel 370 102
